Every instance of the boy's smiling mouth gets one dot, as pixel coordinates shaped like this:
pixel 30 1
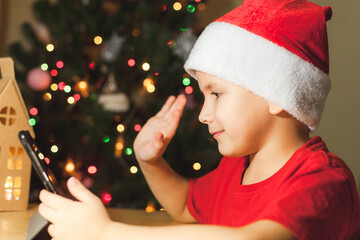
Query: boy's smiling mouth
pixel 216 134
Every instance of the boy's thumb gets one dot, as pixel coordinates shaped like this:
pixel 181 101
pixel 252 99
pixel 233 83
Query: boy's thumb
pixel 79 191
pixel 159 140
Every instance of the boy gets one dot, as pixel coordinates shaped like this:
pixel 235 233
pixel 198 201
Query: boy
pixel 263 70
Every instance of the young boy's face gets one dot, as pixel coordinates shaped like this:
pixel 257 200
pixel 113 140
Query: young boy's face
pixel 237 118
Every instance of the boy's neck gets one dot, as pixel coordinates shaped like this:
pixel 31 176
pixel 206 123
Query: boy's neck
pixel 276 150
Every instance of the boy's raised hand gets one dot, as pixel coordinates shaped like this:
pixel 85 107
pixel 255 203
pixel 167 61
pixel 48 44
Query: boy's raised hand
pixel 156 134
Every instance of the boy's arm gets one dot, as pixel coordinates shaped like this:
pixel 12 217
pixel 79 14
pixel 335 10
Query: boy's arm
pixel 260 230
pixel 169 187
pixel 87 219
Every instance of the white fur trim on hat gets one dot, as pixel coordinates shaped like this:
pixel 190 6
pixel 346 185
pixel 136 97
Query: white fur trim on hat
pixel 262 67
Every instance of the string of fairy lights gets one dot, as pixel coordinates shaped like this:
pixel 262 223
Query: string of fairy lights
pixel 81 90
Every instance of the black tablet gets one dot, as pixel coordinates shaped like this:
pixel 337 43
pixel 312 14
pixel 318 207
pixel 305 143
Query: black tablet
pixel 38 161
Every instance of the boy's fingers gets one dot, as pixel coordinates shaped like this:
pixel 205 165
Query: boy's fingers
pixel 51 230
pixel 179 104
pixel 79 191
pixel 169 102
pixel 52 200
pixel 174 123
pixel 47 212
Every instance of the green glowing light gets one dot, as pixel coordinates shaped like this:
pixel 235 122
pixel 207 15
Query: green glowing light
pixel 106 139
pixel 191 8
pixel 186 81
pixel 32 122
pixel 44 67
pixel 67 89
pixel 128 151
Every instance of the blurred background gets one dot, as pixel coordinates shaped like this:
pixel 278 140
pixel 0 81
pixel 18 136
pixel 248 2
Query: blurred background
pixel 93 71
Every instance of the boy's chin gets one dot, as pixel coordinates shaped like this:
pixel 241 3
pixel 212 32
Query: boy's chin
pixel 229 152
pixel 225 151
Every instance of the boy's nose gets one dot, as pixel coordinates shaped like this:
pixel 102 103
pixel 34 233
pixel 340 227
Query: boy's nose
pixel 205 116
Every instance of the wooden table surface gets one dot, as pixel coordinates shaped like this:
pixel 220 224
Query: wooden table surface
pixel 13 225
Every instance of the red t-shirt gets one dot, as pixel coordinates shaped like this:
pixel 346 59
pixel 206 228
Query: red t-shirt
pixel 314 195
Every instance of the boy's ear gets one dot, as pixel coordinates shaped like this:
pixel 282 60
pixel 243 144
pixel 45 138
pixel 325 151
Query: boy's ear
pixel 275 109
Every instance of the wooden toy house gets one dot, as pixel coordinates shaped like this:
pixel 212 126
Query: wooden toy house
pixel 15 165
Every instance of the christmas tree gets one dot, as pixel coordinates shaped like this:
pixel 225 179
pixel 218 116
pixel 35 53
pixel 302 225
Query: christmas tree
pixel 92 73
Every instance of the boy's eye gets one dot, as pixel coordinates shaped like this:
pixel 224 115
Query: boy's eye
pixel 216 94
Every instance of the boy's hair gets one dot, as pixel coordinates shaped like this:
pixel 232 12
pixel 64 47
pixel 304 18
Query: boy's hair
pixel 277 49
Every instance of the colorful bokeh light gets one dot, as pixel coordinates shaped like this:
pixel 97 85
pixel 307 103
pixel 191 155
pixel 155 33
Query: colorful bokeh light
pixel 131 62
pixel 92 169
pixel 34 111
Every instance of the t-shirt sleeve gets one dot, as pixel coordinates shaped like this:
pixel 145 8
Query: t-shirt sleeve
pixel 207 191
pixel 199 190
pixel 314 206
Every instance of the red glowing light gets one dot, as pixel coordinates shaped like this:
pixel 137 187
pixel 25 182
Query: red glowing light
pixel 60 64
pixel 61 86
pixel 156 74
pixel 197 0
pixel 34 111
pixel 131 62
pixel 54 73
pixel 106 198
pixel 92 170
pixel 189 90
pixel 137 127
pixel 47 160
pixel 169 42
pixel 164 8
pixel 92 65
pixel 77 97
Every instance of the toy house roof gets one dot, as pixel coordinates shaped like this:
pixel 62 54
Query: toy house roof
pixel 7 80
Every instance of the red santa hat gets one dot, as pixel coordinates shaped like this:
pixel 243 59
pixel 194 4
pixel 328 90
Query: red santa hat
pixel 277 49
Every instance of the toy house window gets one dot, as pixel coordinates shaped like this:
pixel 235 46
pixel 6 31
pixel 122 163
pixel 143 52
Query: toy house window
pixel 15 160
pixel 13 184
pixel 12 188
pixel 7 116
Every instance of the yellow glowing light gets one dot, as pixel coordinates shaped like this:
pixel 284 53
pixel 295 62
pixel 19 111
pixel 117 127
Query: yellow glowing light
pixel 150 88
pixel 82 85
pixel 146 66
pixel 98 40
pixel 177 6
pixel 201 6
pixel 50 47
pixel 150 208
pixel 70 167
pixel 54 149
pixel 71 100
pixel 47 96
pixel 120 128
pixel 119 146
pixel 147 82
pixel 133 169
pixel 54 87
pixel 197 166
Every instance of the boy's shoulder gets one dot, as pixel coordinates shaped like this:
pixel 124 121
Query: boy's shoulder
pixel 315 167
pixel 315 156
